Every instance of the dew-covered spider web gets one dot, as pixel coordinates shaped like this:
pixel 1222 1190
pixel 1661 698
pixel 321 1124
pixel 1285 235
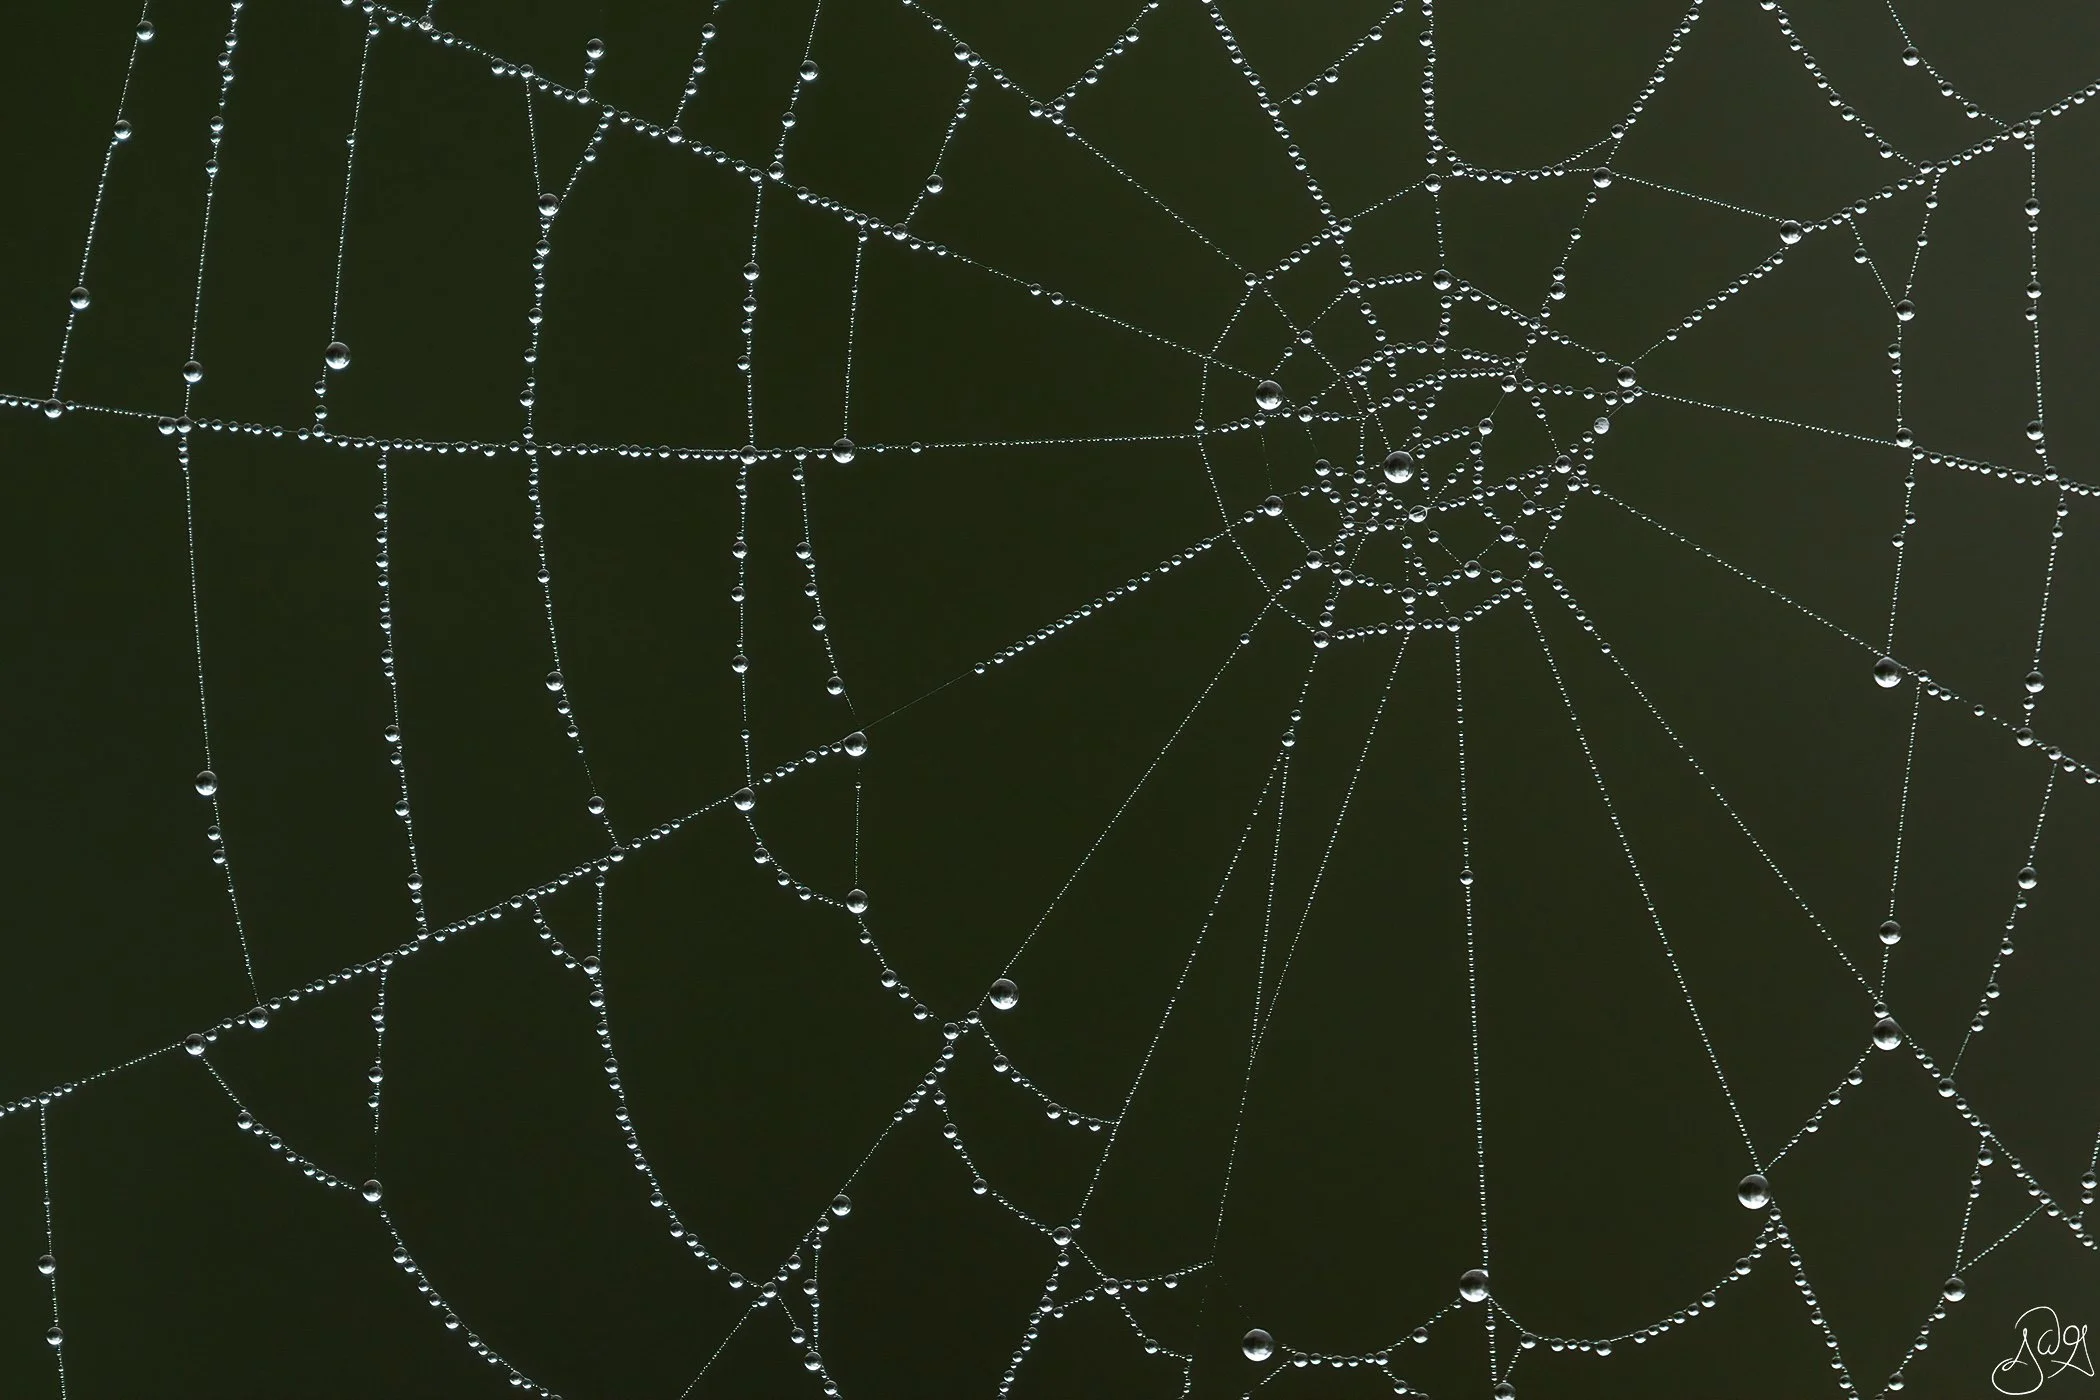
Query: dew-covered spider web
pixel 941 697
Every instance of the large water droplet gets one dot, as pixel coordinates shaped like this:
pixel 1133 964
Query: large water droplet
pixel 207 783
pixel 1473 1285
pixel 2027 879
pixel 841 1205
pixel 194 1043
pixel 47 1266
pixel 1887 1034
pixel 1887 673
pixel 1005 995
pixel 1891 932
pixel 744 800
pixel 842 451
pixel 1754 1192
pixel 857 901
pixel 371 1190
pixel 2034 682
pixel 1268 396
pixel 1399 467
pixel 1258 1345
pixel 192 372
pixel 856 743
pixel 337 355
pixel 1954 1290
pixel 1790 233
pixel 554 681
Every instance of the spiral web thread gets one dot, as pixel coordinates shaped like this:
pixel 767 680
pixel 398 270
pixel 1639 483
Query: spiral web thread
pixel 1426 477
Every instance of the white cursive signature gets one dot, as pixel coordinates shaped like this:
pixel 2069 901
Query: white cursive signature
pixel 2048 1348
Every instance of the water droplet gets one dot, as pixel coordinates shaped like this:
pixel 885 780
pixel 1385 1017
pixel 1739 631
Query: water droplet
pixel 1399 468
pixel 1258 1345
pixel 259 1017
pixel 194 1043
pixel 809 71
pixel 1790 233
pixel 1272 506
pixel 207 783
pixel 47 1266
pixel 52 408
pixel 1887 673
pixel 2034 430
pixel 1910 58
pixel 1601 179
pixel 596 806
pixel 145 31
pixel 834 686
pixel 857 901
pixel 337 356
pixel 79 299
pixel 55 1335
pixel 1891 932
pixel 1505 1391
pixel 1473 1285
pixel 750 272
pixel 1754 1192
pixel 841 1205
pixel 1268 396
pixel 935 184
pixel 123 130
pixel 1005 995
pixel 548 204
pixel 1887 1034
pixel 192 372
pixel 2027 879
pixel 744 800
pixel 370 1190
pixel 2034 683
pixel 1954 1290
pixel 1905 309
pixel 856 743
pixel 842 451
pixel 554 681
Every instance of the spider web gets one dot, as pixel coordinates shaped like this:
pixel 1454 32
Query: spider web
pixel 1315 730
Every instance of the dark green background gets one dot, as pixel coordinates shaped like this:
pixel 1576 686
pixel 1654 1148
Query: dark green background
pixel 760 1056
